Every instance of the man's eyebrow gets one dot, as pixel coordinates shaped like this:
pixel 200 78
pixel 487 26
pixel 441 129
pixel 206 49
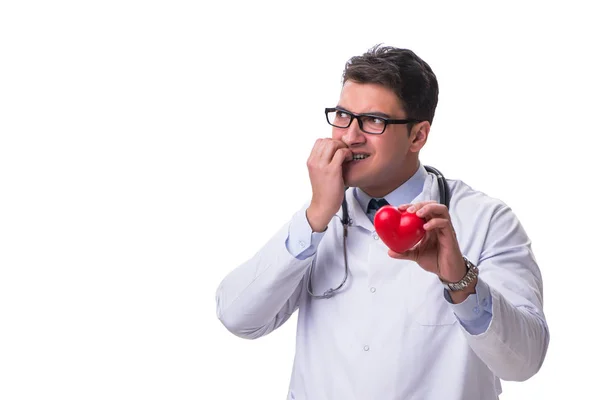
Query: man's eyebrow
pixel 374 113
pixel 379 114
pixel 342 108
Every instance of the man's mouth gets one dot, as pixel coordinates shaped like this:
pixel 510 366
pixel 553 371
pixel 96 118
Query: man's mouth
pixel 357 157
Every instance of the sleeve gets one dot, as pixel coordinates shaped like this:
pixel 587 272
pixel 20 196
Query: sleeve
pixel 475 313
pixel 261 294
pixel 514 344
pixel 302 242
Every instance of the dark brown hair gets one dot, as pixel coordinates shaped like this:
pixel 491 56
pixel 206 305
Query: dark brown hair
pixel 402 71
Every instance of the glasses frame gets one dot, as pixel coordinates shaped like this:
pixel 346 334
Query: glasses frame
pixel 387 121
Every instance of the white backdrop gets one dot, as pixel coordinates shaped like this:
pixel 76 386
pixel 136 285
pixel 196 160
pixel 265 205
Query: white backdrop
pixel 147 148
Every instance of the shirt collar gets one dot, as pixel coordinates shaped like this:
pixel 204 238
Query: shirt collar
pixel 403 194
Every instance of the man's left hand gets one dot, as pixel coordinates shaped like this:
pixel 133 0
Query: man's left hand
pixel 438 251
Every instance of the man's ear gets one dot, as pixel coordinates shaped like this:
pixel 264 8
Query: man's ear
pixel 418 135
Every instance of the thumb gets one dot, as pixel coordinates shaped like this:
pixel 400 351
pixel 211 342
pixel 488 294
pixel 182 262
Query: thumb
pixel 407 255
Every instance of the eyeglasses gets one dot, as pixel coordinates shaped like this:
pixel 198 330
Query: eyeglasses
pixel 368 123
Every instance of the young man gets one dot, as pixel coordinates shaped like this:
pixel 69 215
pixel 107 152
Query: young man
pixel 394 326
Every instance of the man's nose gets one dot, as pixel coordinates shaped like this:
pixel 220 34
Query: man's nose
pixel 353 134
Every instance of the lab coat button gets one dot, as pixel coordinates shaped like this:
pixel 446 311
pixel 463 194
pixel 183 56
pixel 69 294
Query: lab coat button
pixel 366 348
pixel 302 244
pixel 375 236
pixel 373 290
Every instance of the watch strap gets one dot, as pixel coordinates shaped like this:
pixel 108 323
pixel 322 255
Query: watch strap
pixel 470 276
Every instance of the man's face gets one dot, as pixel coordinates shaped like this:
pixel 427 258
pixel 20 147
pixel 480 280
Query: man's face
pixel 392 157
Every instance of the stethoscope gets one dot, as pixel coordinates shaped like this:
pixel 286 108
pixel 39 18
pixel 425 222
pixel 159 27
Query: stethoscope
pixel 444 199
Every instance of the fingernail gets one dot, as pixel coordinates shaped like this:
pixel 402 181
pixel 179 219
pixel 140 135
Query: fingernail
pixel 411 209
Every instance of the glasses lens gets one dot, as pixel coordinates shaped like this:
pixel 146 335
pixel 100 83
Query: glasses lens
pixel 338 118
pixel 373 125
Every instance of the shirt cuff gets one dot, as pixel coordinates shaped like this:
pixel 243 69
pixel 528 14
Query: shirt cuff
pixel 475 313
pixel 302 242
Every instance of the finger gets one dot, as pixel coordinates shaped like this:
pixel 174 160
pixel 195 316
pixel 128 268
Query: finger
pixel 433 210
pixel 403 207
pixel 407 255
pixel 330 148
pixel 417 206
pixel 413 252
pixel 339 143
pixel 400 256
pixel 317 150
pixel 322 153
pixel 341 155
pixel 440 224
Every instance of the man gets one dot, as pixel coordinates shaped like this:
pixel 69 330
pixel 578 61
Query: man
pixel 397 328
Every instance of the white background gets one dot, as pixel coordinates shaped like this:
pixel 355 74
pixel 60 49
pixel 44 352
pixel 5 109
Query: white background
pixel 147 148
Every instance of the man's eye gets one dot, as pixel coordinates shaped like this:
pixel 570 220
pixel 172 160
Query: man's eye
pixel 341 114
pixel 375 120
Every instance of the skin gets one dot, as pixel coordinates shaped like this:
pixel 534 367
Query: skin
pixel 393 159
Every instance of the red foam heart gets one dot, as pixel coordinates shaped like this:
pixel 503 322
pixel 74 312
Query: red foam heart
pixel 399 230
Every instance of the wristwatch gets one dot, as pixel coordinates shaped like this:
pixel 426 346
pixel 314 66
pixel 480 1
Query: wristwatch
pixel 472 272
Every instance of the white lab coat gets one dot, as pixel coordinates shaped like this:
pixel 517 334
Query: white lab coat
pixel 391 334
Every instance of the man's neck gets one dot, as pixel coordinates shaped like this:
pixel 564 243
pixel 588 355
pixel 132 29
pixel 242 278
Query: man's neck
pixel 401 180
pixel 405 193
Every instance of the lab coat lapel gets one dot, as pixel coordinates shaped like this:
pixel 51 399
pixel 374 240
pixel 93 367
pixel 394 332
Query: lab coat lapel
pixel 356 213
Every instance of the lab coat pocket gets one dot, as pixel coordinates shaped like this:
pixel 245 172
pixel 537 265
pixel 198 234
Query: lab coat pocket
pixel 425 300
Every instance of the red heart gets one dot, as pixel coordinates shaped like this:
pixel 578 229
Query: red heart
pixel 399 230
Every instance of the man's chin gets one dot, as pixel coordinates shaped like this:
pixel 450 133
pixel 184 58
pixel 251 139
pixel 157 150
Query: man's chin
pixel 356 173
pixel 352 180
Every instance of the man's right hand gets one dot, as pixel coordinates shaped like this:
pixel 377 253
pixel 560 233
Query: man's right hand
pixel 325 172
